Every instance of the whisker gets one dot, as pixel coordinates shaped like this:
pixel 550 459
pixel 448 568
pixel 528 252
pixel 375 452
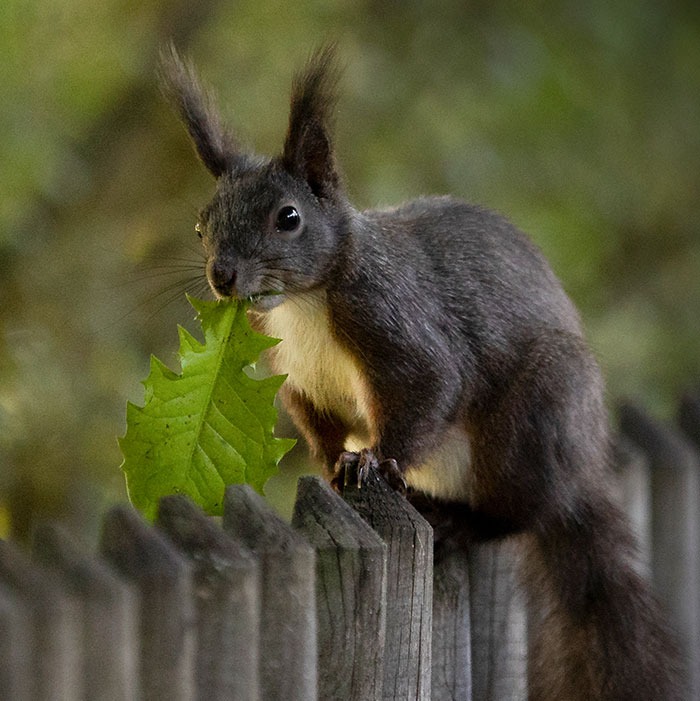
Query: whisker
pixel 165 303
pixel 180 267
pixel 308 302
pixel 135 281
pixel 200 288
pixel 191 286
pixel 177 288
pixel 135 277
pixel 178 285
pixel 157 260
pixel 196 251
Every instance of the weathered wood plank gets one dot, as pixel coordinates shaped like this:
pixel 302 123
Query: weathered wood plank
pixel 498 623
pixel 288 601
pixel 107 615
pixel 675 562
pixel 351 591
pixel 162 576
pixel 634 494
pixel 227 601
pixel 15 647
pixel 409 594
pixel 451 648
pixel 55 635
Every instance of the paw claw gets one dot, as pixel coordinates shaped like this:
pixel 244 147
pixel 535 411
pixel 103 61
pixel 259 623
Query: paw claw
pixel 366 461
pixel 389 470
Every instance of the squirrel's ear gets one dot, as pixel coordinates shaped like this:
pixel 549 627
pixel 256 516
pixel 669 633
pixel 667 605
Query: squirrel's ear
pixel 197 109
pixel 308 150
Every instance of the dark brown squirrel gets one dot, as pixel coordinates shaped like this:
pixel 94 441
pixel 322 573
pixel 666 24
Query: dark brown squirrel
pixel 436 335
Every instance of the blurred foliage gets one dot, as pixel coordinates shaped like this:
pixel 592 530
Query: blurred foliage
pixel 577 120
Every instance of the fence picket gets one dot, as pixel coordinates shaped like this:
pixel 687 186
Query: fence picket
pixel 634 494
pixel 409 595
pixel 107 615
pixel 54 633
pixel 451 647
pixel 227 601
pixel 15 647
pixel 288 595
pixel 498 623
pixel 351 591
pixel 162 577
pixel 675 490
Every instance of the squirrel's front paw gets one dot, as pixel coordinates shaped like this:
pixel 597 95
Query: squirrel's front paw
pixel 353 468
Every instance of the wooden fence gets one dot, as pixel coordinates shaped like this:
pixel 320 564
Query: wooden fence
pixel 341 604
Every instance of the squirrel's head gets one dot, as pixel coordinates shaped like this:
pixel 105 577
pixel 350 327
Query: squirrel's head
pixel 274 224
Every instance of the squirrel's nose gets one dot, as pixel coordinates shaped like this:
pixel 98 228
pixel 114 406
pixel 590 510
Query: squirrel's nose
pixel 222 278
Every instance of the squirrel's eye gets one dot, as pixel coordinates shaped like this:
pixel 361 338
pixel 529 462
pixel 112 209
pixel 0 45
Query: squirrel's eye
pixel 288 219
pixel 198 229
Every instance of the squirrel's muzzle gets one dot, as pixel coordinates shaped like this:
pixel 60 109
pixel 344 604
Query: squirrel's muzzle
pixel 222 278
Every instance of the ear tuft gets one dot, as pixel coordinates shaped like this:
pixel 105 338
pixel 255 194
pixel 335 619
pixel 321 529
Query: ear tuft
pixel 197 109
pixel 308 151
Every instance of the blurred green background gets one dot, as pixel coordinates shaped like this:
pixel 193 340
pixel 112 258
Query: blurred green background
pixel 580 121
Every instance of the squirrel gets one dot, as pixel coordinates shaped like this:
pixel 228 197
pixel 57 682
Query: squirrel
pixel 434 340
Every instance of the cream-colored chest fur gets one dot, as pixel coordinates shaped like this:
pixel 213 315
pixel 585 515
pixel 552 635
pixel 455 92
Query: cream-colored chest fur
pixel 316 364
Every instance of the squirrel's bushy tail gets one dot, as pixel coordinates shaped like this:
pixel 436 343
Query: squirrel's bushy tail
pixel 596 629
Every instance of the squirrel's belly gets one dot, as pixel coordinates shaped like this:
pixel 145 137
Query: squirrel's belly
pixel 315 363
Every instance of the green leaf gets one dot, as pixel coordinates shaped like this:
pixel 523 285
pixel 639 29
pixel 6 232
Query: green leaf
pixel 208 427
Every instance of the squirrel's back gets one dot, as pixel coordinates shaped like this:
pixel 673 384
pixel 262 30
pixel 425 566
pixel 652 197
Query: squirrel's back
pixel 482 268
